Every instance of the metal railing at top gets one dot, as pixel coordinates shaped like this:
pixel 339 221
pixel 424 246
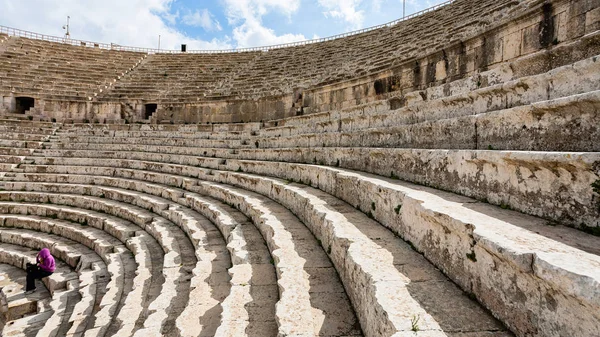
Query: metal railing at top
pixel 112 46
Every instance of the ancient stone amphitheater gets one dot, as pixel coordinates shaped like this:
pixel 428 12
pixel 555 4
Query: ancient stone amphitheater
pixel 438 176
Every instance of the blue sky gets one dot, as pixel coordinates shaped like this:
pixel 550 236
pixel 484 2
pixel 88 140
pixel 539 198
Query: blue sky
pixel 202 24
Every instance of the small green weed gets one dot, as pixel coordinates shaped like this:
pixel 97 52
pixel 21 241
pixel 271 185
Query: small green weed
pixel 394 176
pixel 596 186
pixel 590 230
pixel 414 323
pixel 471 256
pixel 397 209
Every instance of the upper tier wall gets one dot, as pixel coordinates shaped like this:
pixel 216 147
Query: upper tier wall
pixel 454 42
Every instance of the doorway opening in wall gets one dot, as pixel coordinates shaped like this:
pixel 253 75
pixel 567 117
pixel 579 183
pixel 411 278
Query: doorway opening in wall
pixel 23 104
pixel 149 109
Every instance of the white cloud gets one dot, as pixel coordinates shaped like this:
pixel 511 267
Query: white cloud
pixel 125 22
pixel 202 18
pixel 345 10
pixel 250 31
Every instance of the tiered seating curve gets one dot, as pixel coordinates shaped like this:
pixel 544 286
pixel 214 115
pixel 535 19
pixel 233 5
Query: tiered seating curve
pixel 465 207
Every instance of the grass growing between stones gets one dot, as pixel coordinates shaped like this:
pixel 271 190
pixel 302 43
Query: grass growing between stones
pixel 414 323
pixel 471 256
pixel 596 186
pixel 397 209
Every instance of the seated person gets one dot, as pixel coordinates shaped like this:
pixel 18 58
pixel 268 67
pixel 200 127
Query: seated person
pixel 44 267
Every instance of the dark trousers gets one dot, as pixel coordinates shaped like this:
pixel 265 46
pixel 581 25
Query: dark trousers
pixel 34 273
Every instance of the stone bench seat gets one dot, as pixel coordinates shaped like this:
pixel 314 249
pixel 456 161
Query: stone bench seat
pixel 521 128
pixel 458 98
pixel 14 302
pixel 182 134
pixel 22 314
pixel 178 260
pixel 209 143
pixel 28 124
pixel 198 230
pixel 15 152
pixel 28 130
pixel 90 267
pixel 499 173
pixel 62 279
pixel 229 201
pixel 486 228
pixel 106 235
pixel 497 88
pixel 312 299
pixel 24 137
pixel 250 258
pixel 20 144
pixel 290 319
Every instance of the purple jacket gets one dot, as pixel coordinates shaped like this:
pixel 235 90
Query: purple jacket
pixel 48 260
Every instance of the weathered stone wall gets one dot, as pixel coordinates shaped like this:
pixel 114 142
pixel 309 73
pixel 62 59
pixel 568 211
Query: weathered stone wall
pixel 546 35
pixel 554 33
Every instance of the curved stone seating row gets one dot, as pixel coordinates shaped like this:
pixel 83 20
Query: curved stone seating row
pixel 525 181
pixel 18 310
pixel 207 128
pixel 518 252
pixel 406 322
pixel 296 294
pixel 253 277
pixel 189 307
pixel 20 144
pixel 458 98
pixel 209 143
pixel 79 71
pixel 27 123
pixel 106 235
pixel 15 306
pixel 178 260
pixel 553 84
pixel 93 276
pixel 249 310
pixel 30 130
pixel 11 151
pixel 62 281
pixel 541 126
pixel 109 248
pixel 24 137
pixel 286 318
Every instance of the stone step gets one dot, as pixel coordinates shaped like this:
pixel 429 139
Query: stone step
pixel 486 231
pixel 15 304
pixel 316 296
pixel 137 301
pixel 89 266
pixel 498 172
pixel 19 256
pixel 102 243
pixel 197 228
pixel 346 211
pixel 308 283
pixel 177 262
pixel 457 98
